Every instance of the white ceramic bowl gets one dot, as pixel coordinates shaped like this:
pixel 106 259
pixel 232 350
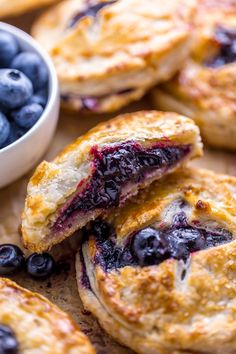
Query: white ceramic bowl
pixel 19 157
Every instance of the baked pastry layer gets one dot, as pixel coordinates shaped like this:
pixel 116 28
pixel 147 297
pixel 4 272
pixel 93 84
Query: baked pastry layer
pixel 109 53
pixel 205 87
pixel 101 170
pixel 171 290
pixel 15 7
pixel 38 325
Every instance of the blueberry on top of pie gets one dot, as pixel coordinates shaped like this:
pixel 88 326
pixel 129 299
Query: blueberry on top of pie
pixel 204 89
pixel 101 170
pixel 159 272
pixel 109 53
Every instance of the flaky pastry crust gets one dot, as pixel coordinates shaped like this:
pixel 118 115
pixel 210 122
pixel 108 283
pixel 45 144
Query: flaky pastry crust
pixel 205 93
pixel 110 57
pixel 54 183
pixel 39 326
pixel 153 309
pixel 9 8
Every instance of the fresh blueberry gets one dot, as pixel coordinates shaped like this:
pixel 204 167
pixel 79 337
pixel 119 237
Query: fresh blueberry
pixel 8 341
pixel 11 259
pixel 33 67
pixel 9 49
pixel 28 115
pixel 16 133
pixel 4 129
pixel 148 247
pixel 183 241
pixel 15 88
pixel 40 100
pixel 40 265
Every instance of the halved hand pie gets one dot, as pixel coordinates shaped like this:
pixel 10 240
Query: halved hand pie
pixel 159 274
pixel 205 88
pixel 15 7
pixel 101 170
pixel 109 53
pixel 30 324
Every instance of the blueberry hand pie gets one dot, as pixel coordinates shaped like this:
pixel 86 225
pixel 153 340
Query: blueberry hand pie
pixel 109 53
pixel 101 170
pixel 205 89
pixel 159 274
pixel 16 7
pixel 30 324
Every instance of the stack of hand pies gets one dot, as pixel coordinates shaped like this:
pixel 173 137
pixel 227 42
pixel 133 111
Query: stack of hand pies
pixel 156 265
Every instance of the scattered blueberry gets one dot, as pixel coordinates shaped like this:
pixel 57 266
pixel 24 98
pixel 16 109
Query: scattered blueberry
pixel 4 129
pixel 15 88
pixel 8 341
pixel 149 247
pixel 28 115
pixel 40 265
pixel 33 67
pixel 9 48
pixel 11 259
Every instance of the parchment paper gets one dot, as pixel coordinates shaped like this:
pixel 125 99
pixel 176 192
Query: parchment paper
pixel 61 289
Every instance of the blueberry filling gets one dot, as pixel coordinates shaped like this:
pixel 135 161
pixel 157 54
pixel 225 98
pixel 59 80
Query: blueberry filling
pixel 8 342
pixel 90 11
pixel 226 39
pixel 110 256
pixel 91 103
pixel 84 279
pixel 114 169
pixel 152 246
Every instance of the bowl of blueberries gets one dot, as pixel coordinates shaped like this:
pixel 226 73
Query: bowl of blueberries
pixel 29 103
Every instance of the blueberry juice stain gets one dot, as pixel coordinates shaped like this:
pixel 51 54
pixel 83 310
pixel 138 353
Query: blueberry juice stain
pixel 152 246
pixel 226 40
pixel 113 169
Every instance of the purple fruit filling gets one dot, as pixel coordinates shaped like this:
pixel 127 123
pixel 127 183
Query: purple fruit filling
pixel 84 279
pixel 90 11
pixel 115 168
pixel 226 39
pixel 91 103
pixel 152 246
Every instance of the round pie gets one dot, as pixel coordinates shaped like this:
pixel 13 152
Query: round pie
pixel 109 53
pixel 15 7
pixel 159 273
pixel 30 324
pixel 205 88
pixel 101 170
